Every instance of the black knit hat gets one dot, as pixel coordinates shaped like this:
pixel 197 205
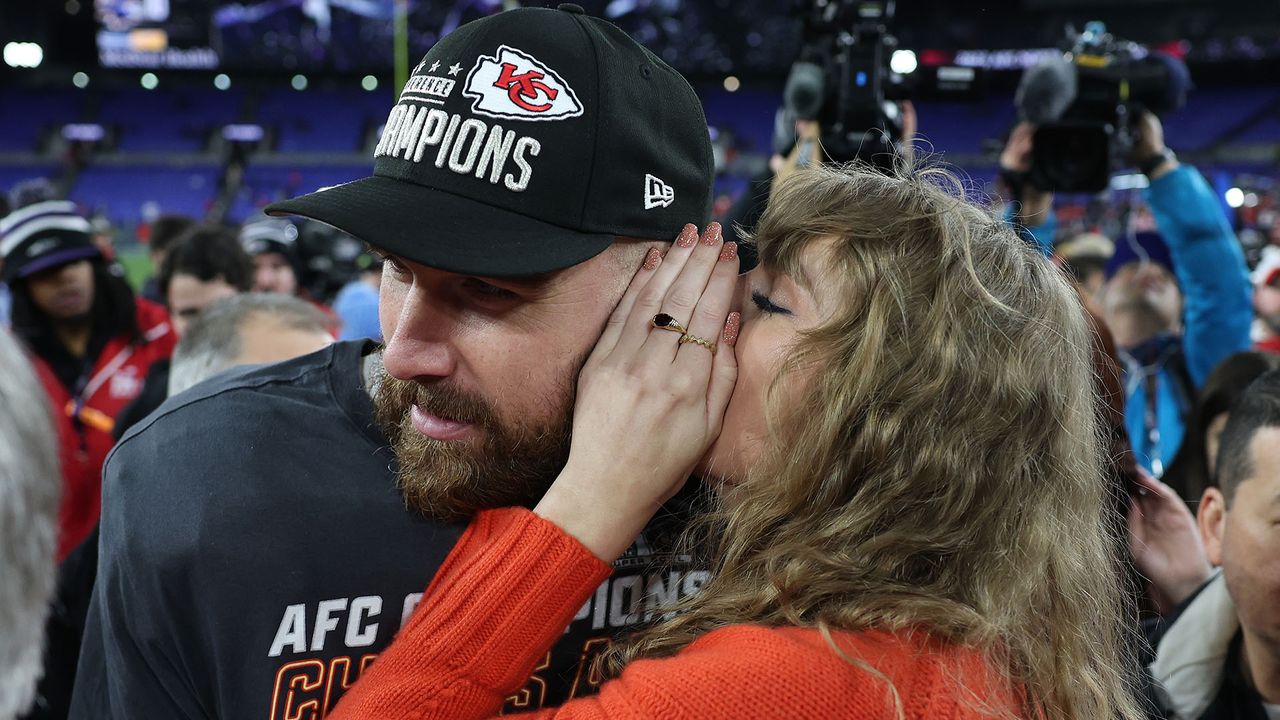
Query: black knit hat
pixel 41 236
pixel 524 143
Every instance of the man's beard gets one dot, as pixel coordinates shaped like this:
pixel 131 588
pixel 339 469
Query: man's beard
pixel 451 481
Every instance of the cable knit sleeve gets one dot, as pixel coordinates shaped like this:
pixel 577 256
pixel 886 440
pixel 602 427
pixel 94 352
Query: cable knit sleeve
pixel 515 580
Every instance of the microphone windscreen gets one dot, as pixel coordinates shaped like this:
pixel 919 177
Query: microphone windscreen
pixel 803 94
pixel 1046 91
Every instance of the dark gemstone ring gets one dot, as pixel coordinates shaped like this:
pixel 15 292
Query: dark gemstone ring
pixel 663 321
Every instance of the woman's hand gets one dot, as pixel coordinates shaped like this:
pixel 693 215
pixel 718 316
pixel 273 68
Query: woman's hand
pixel 650 401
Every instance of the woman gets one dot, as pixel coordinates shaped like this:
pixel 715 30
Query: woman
pixel 911 495
pixel 1192 469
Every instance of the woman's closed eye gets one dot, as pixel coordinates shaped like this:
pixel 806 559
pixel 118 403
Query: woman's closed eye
pixel 766 305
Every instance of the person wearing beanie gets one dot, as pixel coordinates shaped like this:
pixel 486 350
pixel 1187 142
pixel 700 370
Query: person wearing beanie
pixel 272 243
pixel 90 339
pixel 277 263
pixel 1266 300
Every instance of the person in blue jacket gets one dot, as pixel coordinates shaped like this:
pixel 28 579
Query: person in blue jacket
pixel 1176 303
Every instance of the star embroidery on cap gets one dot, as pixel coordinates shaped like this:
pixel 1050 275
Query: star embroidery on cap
pixel 435 65
pixel 454 69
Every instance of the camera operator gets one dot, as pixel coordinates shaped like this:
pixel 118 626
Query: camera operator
pixel 1177 303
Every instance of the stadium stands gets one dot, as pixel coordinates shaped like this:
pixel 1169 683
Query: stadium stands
pixel 130 194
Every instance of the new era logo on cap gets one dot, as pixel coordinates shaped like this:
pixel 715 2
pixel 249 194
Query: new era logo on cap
pixel 514 84
pixel 657 193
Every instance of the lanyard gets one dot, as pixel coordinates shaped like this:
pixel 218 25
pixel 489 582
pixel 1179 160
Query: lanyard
pixel 81 415
pixel 1151 423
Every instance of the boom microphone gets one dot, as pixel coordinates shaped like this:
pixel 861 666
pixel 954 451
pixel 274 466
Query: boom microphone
pixel 1046 91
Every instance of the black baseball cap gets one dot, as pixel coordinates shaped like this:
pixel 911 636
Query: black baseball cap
pixel 523 143
pixel 41 236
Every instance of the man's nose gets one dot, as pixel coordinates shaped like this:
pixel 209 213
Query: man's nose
pixel 421 346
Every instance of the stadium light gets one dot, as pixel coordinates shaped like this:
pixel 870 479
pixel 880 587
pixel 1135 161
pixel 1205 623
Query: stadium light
pixel 299 82
pixel 369 83
pixel 1234 197
pixel 23 54
pixel 903 62
pixel 80 80
pixel 221 81
pixel 150 81
pixel 732 83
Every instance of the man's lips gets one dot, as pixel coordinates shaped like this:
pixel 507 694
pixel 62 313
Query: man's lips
pixel 436 427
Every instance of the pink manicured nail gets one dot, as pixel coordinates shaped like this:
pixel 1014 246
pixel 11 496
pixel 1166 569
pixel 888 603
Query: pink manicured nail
pixel 688 236
pixel 652 259
pixel 729 251
pixel 731 327
pixel 712 235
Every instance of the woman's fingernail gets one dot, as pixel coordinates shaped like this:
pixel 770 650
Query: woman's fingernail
pixel 731 327
pixel 652 259
pixel 729 251
pixel 712 235
pixel 688 236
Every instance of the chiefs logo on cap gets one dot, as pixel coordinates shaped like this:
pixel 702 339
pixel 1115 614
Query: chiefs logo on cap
pixel 514 84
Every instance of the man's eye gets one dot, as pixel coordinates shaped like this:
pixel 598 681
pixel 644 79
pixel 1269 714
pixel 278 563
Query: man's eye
pixel 397 267
pixel 487 290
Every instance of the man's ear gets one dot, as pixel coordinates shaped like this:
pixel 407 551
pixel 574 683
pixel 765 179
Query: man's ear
pixel 1212 519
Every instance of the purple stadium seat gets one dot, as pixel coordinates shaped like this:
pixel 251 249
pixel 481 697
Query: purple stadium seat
pixel 1212 112
pixel 12 175
pixel 125 193
pixel 264 184
pixel 25 114
pixel 325 120
pixel 173 120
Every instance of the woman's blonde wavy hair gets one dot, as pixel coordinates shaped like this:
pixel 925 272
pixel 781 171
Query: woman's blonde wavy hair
pixel 943 469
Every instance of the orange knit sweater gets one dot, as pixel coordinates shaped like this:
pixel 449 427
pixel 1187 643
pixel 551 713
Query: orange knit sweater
pixel 513 583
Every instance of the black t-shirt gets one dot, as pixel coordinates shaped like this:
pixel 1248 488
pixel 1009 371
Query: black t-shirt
pixel 256 556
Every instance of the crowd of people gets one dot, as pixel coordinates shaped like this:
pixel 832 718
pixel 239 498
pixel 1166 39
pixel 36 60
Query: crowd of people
pixel 567 447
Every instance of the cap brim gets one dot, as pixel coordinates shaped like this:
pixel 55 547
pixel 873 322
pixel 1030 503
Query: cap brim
pixel 54 259
pixel 443 230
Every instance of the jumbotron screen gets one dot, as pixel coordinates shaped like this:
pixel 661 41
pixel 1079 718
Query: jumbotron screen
pixel 289 35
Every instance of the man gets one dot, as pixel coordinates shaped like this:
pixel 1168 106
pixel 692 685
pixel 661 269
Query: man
pixel 252 329
pixel 237 330
pixel 273 245
pixel 91 339
pixel 1266 300
pixel 28 506
pixel 1085 258
pixel 1219 658
pixel 203 266
pixel 161 234
pixel 257 552
pixel 1176 304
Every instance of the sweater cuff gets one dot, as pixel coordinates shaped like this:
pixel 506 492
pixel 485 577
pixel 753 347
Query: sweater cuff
pixel 504 596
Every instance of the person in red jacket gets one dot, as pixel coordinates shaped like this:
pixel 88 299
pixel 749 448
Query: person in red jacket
pixel 912 517
pixel 90 338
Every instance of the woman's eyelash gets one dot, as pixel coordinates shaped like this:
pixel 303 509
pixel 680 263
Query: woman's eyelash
pixel 766 305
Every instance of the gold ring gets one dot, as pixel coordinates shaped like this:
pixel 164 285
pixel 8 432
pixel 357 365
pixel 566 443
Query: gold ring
pixel 663 321
pixel 686 338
